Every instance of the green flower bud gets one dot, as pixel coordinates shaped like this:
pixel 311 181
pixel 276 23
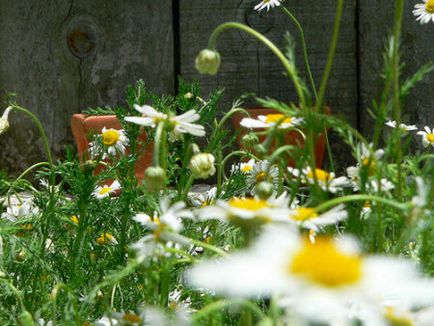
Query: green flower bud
pixel 25 319
pixel 202 165
pixel 249 140
pixel 208 62
pixel 154 178
pixel 264 190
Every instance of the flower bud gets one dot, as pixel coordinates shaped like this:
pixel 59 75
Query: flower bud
pixel 188 96
pixel 154 178
pixel 249 140
pixel 264 190
pixel 202 165
pixel 208 62
pixel 4 122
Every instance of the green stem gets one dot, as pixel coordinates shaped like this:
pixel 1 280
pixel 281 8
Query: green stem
pixel 182 239
pixel 330 57
pixel 289 68
pixel 157 144
pixel 222 304
pixel 229 114
pixel 350 198
pixel 303 44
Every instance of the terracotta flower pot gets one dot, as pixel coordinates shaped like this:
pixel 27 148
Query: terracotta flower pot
pixel 83 125
pixel 291 137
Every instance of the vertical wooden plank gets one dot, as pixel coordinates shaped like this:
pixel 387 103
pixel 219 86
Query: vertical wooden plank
pixel 247 66
pixel 375 25
pixel 61 57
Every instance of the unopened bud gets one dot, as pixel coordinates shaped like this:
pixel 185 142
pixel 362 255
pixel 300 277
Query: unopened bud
pixel 188 95
pixel 264 190
pixel 249 140
pixel 154 178
pixel 208 62
pixel 202 165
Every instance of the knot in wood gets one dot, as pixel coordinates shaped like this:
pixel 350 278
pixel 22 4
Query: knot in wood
pixel 82 39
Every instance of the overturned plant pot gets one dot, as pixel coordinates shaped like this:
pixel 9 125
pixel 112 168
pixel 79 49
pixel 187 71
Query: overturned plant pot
pixel 84 125
pixel 290 137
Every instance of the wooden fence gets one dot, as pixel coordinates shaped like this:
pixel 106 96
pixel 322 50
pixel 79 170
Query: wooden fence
pixel 61 57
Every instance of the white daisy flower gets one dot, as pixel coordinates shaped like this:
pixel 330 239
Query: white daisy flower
pixel 326 180
pixel 246 211
pixel 204 199
pixel 243 167
pixel 267 4
pixel 402 126
pixel 18 210
pixel 308 218
pixel 427 136
pixel 270 120
pixel 366 210
pixel 115 140
pixel 169 216
pixel 421 199
pixel 181 124
pixel 263 172
pixel 4 120
pixel 326 278
pixel 424 11
pixel 386 185
pixel 105 191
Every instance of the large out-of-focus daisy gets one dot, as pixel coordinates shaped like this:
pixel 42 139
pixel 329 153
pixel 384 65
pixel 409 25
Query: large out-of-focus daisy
pixel 267 4
pixel 181 124
pixel 322 281
pixel 270 120
pixel 262 171
pixel 427 136
pixel 101 192
pixel 246 211
pixel 326 180
pixel 402 126
pixel 424 11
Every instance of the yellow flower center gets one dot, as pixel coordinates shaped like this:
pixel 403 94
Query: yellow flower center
pixel 367 204
pixel 430 6
pixel 273 118
pixel 250 204
pixel 246 168
pixel 321 175
pixel 131 318
pixel 156 219
pixel 303 214
pixel 27 226
pixel 105 190
pixel 104 239
pixel 323 263
pixel 74 219
pixel 397 320
pixel 260 177
pixel 110 137
pixel 430 137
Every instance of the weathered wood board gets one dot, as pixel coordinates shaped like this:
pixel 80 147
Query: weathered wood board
pixel 61 57
pixel 375 24
pixel 248 66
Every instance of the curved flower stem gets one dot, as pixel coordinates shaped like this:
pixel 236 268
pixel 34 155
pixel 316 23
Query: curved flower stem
pixel 40 128
pixel 222 304
pixel 331 55
pixel 34 166
pixel 289 68
pixel 229 114
pixel 303 44
pixel 350 198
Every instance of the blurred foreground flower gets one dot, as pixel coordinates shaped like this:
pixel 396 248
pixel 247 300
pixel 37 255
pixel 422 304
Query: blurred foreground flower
pixel 324 282
pixel 424 11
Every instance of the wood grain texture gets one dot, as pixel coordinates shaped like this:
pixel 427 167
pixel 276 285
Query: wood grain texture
pixel 375 24
pixel 61 57
pixel 248 66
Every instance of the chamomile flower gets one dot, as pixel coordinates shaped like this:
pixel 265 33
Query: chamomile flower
pixel 18 210
pixel 243 167
pixel 326 180
pixel 402 126
pixel 204 199
pixel 246 211
pixel 181 124
pixel 101 192
pixel 270 120
pixel 322 280
pixel 262 172
pixel 374 185
pixel 115 140
pixel 424 11
pixel 106 238
pixel 267 4
pixel 427 136
pixel 310 219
